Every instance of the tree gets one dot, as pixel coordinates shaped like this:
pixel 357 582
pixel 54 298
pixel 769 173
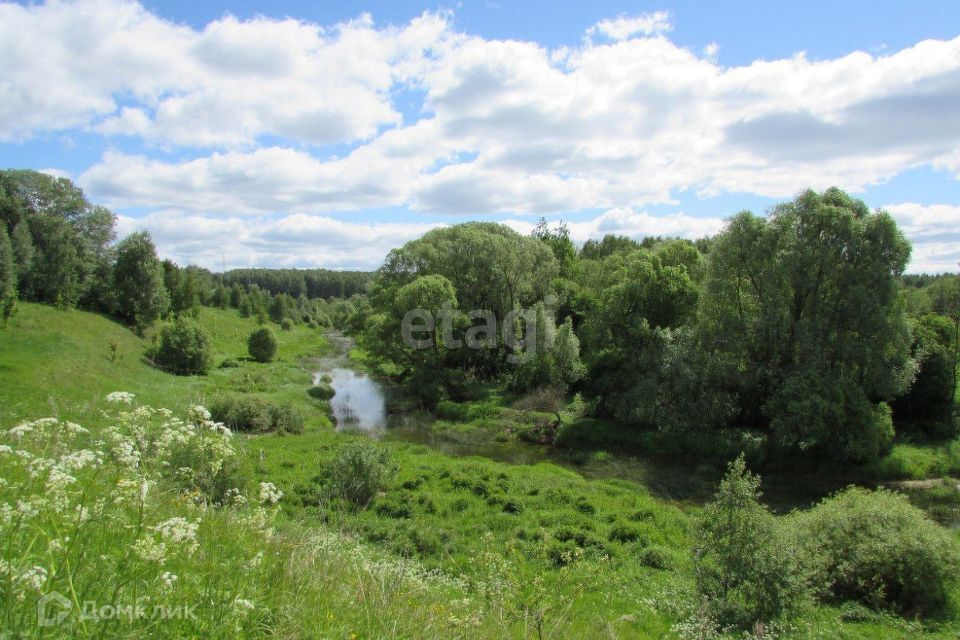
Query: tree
pixel 490 267
pixel 61 240
pixel 410 333
pixel 559 242
pixel 184 348
pixel 262 344
pixel 804 305
pixel 23 254
pixel 746 568
pixel 640 301
pixel 141 296
pixel 927 407
pixel 8 278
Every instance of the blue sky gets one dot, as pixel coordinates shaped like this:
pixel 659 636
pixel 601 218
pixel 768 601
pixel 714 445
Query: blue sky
pixel 324 133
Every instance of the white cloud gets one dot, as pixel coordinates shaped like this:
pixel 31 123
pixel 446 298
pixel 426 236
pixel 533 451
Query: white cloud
pixel 935 233
pixel 68 64
pixel 623 27
pixel 624 119
pixel 297 240
pixel 634 224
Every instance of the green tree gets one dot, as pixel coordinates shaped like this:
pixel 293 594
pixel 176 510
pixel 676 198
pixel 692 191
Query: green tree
pixel 70 237
pixel 184 348
pixel 746 567
pixel 559 242
pixel 23 254
pixel 640 300
pixel 928 406
pixel 8 278
pixel 804 305
pixel 246 309
pixel 141 296
pixel 262 344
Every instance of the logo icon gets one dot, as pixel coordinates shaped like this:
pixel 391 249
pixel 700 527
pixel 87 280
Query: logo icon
pixel 52 609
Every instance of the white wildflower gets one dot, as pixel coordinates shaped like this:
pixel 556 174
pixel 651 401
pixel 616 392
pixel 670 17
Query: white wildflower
pixel 179 531
pixel 198 413
pixel 34 578
pixel 27 509
pixel 75 429
pixel 150 550
pixel 243 606
pixel 234 497
pixel 269 494
pixel 59 479
pixel 120 397
pixel 168 579
pixel 20 430
pixel 4 449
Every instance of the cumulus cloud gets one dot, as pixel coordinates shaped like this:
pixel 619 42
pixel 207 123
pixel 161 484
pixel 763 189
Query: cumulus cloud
pixel 234 119
pixel 298 240
pixel 69 64
pixel 634 224
pixel 935 232
pixel 623 27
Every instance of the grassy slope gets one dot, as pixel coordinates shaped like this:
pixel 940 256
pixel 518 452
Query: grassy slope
pixel 55 362
pixel 449 512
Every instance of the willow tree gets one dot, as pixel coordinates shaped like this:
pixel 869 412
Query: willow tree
pixel 805 304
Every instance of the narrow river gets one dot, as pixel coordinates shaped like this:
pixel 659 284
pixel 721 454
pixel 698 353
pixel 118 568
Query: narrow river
pixel 362 403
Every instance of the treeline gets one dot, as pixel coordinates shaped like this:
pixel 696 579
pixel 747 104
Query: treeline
pixel 58 248
pixel 312 283
pixel 790 334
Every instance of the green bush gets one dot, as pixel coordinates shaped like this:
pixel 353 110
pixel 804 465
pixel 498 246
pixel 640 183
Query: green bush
pixel 262 344
pixel 746 568
pixel 656 557
pixel 285 418
pixel 321 391
pixel 286 324
pixel 248 413
pixel 358 471
pixel 183 348
pixel 876 548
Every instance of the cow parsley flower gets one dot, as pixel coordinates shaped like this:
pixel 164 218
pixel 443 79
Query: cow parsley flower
pixel 120 397
pixel 269 494
pixel 35 578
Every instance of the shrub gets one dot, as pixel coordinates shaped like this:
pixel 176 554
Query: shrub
pixel 247 413
pixel 322 391
pixel 745 568
pixel 285 418
pixel 623 533
pixel 656 557
pixel 286 324
pixel 876 548
pixel 262 344
pixel 183 348
pixel 358 471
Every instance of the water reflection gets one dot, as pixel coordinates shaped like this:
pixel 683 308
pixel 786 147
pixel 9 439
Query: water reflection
pixel 358 402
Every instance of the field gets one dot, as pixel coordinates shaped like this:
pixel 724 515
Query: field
pixel 578 544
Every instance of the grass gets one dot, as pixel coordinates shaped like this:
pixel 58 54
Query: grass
pixel 453 547
pixel 60 363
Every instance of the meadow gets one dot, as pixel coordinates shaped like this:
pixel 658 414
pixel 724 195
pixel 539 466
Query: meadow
pixel 588 542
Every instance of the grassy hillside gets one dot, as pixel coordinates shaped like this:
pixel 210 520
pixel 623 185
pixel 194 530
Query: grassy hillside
pixel 452 547
pixel 61 363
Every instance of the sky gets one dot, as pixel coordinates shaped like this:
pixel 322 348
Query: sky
pixel 322 134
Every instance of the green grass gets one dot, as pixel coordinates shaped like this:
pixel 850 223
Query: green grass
pixel 454 547
pixel 59 363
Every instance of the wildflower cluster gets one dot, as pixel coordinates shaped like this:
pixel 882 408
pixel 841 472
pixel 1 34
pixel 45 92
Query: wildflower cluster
pixel 123 511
